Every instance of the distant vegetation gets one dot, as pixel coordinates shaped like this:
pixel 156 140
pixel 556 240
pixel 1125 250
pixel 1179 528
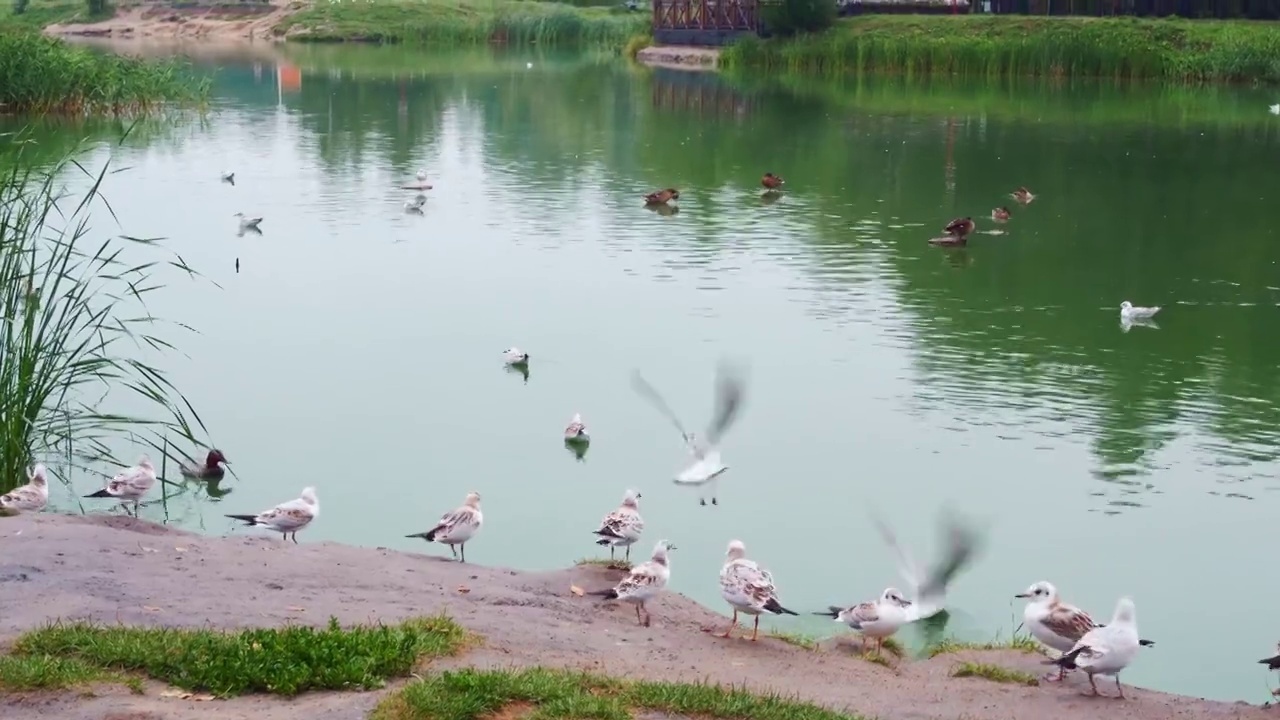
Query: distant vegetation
pixel 42 75
pixel 462 22
pixel 1177 50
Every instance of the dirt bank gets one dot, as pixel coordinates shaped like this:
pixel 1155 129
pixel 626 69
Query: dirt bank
pixel 679 56
pixel 242 21
pixel 115 569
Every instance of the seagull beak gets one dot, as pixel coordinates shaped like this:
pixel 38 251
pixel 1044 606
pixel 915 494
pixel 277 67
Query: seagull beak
pixel 1022 595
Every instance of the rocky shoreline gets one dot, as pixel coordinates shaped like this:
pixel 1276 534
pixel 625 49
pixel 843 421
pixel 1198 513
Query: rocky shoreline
pixel 680 57
pixel 113 569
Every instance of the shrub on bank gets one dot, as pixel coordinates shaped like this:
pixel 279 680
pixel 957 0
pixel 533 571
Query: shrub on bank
pixel 43 75
pixel 788 17
pixel 1172 49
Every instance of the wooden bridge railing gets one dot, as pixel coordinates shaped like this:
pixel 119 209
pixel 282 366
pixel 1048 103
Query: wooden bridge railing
pixel 703 22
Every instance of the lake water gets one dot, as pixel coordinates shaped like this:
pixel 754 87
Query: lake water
pixel 358 347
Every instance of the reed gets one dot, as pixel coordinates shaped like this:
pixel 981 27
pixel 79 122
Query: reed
pixel 75 330
pixel 1198 51
pixel 465 22
pixel 41 75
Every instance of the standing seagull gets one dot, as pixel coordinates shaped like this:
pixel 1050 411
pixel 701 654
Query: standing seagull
pixel 130 484
pixel 747 588
pixel 1106 650
pixel 643 582
pixel 622 527
pixel 286 518
pixel 878 619
pixel 31 497
pixel 1055 623
pixel 707 466
pixel 456 528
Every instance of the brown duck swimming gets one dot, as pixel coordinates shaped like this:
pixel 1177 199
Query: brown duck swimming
pixel 662 197
pixel 957 233
pixel 211 469
pixel 1001 214
pixel 772 182
pixel 1022 195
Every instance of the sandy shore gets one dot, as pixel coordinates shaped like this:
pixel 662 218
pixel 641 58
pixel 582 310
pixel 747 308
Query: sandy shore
pixel 116 569
pixel 147 20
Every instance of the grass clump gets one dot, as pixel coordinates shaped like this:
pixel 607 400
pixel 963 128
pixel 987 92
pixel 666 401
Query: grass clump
pixel 283 661
pixel 797 639
pixel 603 563
pixel 994 673
pixel 43 672
pixel 43 75
pixel 552 694
pixel 41 13
pixel 466 22
pixel 1167 49
pixel 1020 643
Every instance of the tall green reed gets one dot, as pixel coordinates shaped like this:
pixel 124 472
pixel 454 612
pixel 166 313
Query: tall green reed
pixel 75 328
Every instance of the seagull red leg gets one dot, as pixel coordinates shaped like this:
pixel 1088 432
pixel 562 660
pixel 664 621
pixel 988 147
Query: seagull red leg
pixel 729 632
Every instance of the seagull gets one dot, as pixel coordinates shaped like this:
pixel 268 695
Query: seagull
pixel 1273 662
pixel 412 207
pixel 878 619
pixel 706 466
pixel 1105 650
pixel 248 223
pixel 747 588
pixel 229 177
pixel 622 527
pixel 928 591
pixel 130 484
pixel 457 527
pixel 31 497
pixel 1055 623
pixel 286 518
pixel 576 430
pixel 420 184
pixel 420 199
pixel 1129 312
pixel 1275 109
pixel 643 582
pixel 515 356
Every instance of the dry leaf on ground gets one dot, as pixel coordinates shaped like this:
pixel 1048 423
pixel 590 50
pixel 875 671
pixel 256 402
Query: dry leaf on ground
pixel 151 608
pixel 577 590
pixel 464 589
pixel 184 695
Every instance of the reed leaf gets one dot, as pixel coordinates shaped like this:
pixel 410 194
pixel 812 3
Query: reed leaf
pixel 73 328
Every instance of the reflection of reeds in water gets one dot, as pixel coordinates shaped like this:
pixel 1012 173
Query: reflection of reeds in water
pixel 71 334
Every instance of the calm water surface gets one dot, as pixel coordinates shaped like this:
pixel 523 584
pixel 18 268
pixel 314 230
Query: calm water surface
pixel 358 348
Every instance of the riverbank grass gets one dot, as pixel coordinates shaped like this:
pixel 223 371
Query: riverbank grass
pixel 1019 643
pixel 554 695
pixel 284 661
pixel 1167 49
pixel 994 673
pixel 466 22
pixel 41 75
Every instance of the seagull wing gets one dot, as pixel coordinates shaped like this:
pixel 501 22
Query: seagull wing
pixel 648 392
pixel 730 390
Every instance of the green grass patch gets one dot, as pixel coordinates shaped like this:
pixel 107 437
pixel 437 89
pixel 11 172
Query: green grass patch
pixel 284 661
pixel 39 14
pixel 466 22
pixel 994 673
pixel 43 75
pixel 1167 49
pixel 1020 643
pixel 604 563
pixel 43 672
pixel 552 694
pixel 798 639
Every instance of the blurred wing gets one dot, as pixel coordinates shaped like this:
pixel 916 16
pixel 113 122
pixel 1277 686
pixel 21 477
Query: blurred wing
pixel 961 546
pixel 907 567
pixel 648 392
pixel 729 394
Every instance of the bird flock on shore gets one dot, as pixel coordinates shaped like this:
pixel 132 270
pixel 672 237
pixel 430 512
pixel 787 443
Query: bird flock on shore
pixel 748 589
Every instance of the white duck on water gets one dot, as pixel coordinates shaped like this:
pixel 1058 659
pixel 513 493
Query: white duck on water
pixel 707 466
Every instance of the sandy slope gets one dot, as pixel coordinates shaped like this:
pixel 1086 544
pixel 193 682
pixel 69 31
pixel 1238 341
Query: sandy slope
pixel 115 569
pixel 155 20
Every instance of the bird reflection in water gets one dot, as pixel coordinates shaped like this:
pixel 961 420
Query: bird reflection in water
pixel 520 369
pixel 663 209
pixel 578 449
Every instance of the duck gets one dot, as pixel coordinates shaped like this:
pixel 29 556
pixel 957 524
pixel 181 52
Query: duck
pixel 1022 195
pixel 515 356
pixel 1001 214
pixel 212 468
pixel 662 197
pixel 576 431
pixel 772 182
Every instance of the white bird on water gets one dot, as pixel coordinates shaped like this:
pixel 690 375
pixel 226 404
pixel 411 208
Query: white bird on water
pixel 515 356
pixel 1131 312
pixel 287 518
pixel 1055 623
pixel 1105 650
pixel 1275 109
pixel 130 484
pixel 707 466
pixel 877 619
pixel 419 184
pixel 748 588
pixel 413 208
pixel 622 527
pixel 31 497
pixel 248 223
pixel 576 431
pixel 457 527
pixel 643 582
